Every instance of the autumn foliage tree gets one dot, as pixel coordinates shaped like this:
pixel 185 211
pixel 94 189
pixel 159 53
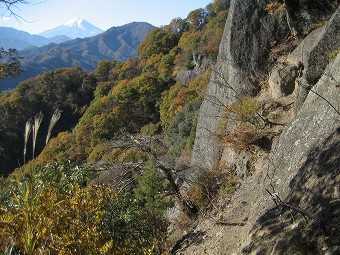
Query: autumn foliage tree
pixel 68 89
pixel 9 63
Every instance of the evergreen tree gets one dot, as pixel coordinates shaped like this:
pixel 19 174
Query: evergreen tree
pixel 149 190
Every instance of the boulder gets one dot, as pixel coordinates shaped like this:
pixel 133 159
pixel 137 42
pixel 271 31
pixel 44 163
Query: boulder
pixel 186 76
pixel 282 80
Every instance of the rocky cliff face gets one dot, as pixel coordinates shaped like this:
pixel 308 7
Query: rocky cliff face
pixel 288 198
pixel 304 172
pixel 243 56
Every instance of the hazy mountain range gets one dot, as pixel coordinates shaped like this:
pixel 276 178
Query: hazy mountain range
pixel 12 38
pixel 75 28
pixel 117 43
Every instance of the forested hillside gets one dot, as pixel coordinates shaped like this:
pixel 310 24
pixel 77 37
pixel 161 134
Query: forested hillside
pixel 106 171
pixel 134 95
pixel 70 90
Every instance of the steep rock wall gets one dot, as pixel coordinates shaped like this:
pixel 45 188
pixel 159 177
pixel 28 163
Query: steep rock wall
pixel 302 173
pixel 302 169
pixel 243 55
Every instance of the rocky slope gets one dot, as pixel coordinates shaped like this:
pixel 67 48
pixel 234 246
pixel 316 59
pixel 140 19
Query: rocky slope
pixel 288 197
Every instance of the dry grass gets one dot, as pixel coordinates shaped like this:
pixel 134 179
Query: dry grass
pixel 55 117
pixel 242 137
pixel 28 129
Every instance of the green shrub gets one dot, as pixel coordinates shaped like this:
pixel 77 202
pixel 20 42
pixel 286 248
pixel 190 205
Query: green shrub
pixel 50 213
pixel 137 217
pixel 334 53
pixel 245 111
pixel 103 89
pixel 150 129
pixel 246 124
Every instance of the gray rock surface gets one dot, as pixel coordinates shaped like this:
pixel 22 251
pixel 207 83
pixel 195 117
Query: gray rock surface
pixel 302 168
pixel 239 162
pixel 317 57
pixel 303 171
pixel 316 121
pixel 282 80
pixel 304 48
pixel 186 76
pixel 303 14
pixel 243 53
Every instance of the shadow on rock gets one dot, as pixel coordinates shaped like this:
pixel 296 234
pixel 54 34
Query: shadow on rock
pixel 192 238
pixel 308 221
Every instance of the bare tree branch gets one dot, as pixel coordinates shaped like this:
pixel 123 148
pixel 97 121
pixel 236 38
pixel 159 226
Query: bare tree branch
pixel 148 144
pixel 13 7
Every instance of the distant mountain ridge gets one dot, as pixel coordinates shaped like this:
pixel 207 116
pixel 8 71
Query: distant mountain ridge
pixel 117 43
pixel 75 28
pixel 13 38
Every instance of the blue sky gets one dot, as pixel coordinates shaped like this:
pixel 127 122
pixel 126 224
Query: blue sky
pixel 47 14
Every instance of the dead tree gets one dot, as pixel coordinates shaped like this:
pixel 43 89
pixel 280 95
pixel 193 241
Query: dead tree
pixel 147 145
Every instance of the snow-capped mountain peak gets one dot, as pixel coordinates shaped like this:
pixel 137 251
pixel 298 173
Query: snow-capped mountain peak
pixel 74 28
pixel 74 21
